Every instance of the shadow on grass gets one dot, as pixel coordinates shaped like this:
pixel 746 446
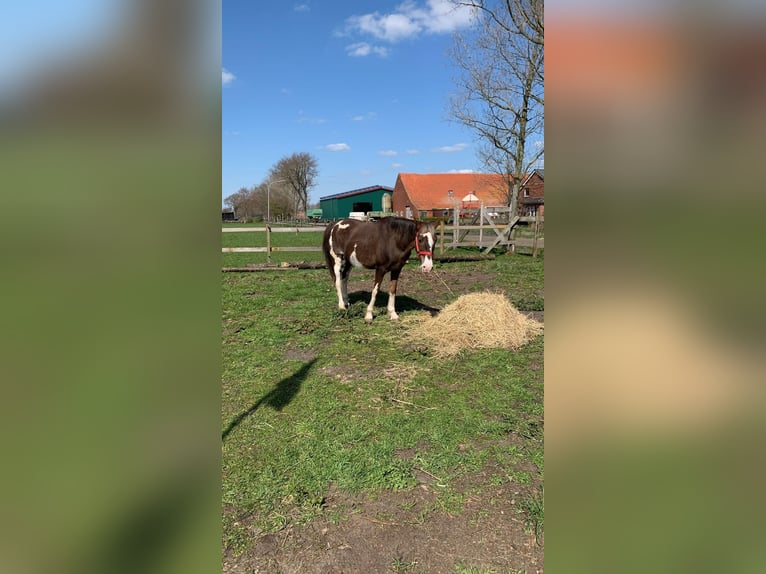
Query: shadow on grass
pixel 403 302
pixel 277 398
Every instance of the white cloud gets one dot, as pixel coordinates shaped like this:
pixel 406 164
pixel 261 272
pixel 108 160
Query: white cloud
pixel 302 8
pixel 413 151
pixel 461 171
pixel 397 166
pixel 451 148
pixel 336 147
pixel 444 17
pixel 364 117
pixel 410 20
pixel 227 77
pixel 388 152
pixel 389 27
pixel 361 49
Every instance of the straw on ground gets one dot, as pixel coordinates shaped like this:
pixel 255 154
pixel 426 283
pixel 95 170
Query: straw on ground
pixel 474 321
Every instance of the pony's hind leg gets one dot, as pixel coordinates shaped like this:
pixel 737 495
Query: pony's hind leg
pixel 345 272
pixel 340 282
pixel 378 278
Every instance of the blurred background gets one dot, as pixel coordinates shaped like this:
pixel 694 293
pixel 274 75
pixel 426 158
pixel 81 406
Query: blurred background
pixel 110 173
pixel 655 324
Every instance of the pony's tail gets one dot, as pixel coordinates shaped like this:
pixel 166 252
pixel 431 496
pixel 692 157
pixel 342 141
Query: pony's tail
pixel 326 249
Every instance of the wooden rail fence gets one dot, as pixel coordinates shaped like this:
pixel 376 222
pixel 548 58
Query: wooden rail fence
pixel 478 230
pixel 269 247
pixel 490 227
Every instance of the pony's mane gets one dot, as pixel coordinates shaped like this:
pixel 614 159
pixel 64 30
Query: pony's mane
pixel 400 224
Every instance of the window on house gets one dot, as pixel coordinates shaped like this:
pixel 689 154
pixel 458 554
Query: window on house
pixel 423 214
pixel 526 193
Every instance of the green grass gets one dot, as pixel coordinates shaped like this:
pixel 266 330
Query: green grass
pixel 461 568
pixel 314 398
pixel 399 564
pixel 533 508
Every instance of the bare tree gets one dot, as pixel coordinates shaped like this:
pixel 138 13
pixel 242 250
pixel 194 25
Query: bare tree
pixel 299 171
pixel 243 202
pixel 500 94
pixel 280 198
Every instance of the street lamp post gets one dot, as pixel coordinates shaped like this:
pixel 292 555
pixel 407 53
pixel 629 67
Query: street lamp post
pixel 268 198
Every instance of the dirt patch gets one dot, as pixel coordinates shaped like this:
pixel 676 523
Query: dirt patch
pixel 298 354
pixel 405 531
pixel 344 374
pixel 538 316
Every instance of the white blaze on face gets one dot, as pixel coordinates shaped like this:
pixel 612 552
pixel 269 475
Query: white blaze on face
pixel 428 263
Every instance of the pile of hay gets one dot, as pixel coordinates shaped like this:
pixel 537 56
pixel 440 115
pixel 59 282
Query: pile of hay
pixel 475 321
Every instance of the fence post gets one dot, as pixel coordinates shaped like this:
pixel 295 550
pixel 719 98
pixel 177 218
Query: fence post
pixel 482 215
pixel 268 244
pixel 441 237
pixel 537 227
pixel 455 225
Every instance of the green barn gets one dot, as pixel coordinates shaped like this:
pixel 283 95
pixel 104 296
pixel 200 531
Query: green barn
pixel 365 200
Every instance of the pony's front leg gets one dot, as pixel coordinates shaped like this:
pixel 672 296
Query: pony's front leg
pixel 378 278
pixel 392 295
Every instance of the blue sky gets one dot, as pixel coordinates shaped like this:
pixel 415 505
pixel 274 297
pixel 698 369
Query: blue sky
pixel 362 86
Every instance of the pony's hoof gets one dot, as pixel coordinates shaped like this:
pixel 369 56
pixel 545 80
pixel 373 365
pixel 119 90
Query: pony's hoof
pixel 368 318
pixel 394 317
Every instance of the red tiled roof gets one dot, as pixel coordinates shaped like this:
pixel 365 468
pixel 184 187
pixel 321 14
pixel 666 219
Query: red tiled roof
pixel 429 191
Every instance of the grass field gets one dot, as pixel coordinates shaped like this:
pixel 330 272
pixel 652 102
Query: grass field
pixel 315 401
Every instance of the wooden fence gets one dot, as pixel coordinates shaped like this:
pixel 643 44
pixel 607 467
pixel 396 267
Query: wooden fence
pixel 269 247
pixel 490 227
pixel 486 228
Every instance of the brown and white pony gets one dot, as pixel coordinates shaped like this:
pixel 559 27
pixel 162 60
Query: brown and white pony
pixel 383 245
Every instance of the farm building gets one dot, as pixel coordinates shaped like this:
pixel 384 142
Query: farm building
pixel 435 194
pixel 364 200
pixel 532 194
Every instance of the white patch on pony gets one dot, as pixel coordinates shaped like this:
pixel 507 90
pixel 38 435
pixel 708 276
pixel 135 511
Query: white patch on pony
pixel 340 225
pixel 392 307
pixel 371 306
pixel 354 259
pixel 339 286
pixel 428 263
